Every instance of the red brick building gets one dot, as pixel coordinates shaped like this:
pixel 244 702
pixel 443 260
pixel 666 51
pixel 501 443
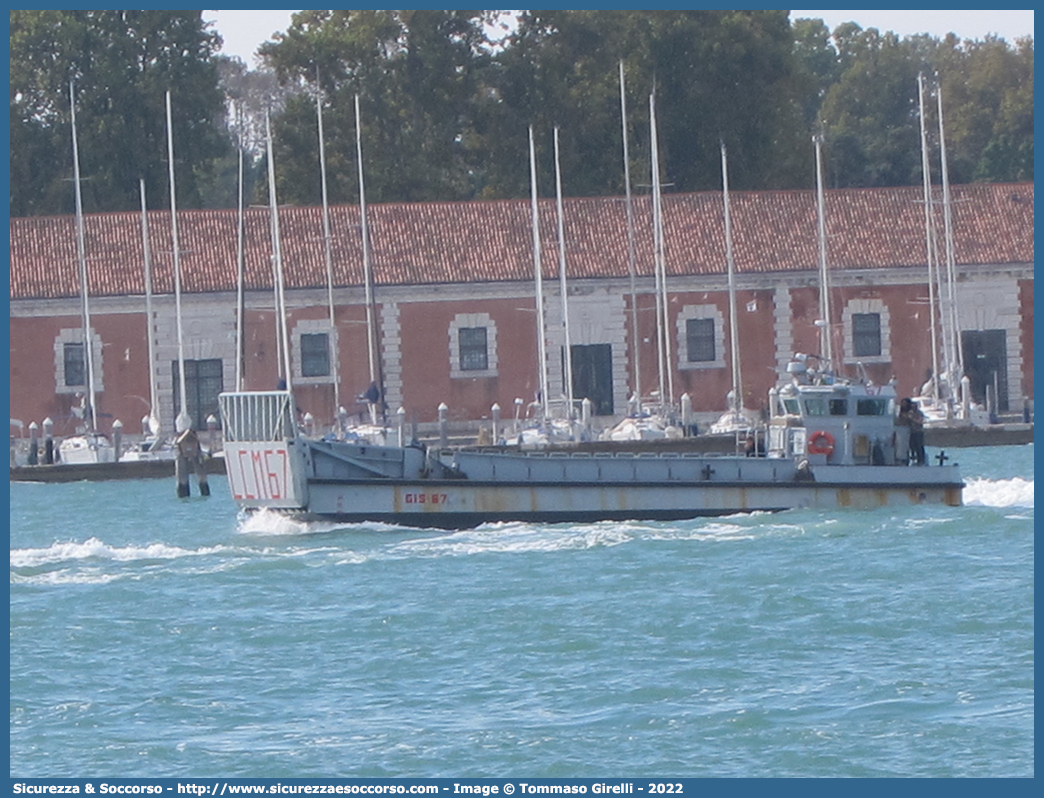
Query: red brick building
pixel 454 311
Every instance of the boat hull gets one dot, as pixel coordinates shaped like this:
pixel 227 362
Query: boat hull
pixel 457 504
pixel 461 488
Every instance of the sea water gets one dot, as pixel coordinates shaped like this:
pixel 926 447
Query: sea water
pixel 156 636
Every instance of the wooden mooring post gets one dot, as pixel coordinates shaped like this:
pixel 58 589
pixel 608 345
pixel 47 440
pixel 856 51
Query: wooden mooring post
pixel 34 444
pixel 117 439
pixel 48 434
pixel 443 433
pixel 189 458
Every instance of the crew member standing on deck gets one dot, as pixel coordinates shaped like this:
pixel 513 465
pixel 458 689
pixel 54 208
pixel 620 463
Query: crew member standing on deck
pixel 910 415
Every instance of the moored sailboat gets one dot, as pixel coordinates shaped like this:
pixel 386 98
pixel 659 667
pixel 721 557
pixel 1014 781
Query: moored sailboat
pixel 88 445
pixel 736 419
pixel 945 398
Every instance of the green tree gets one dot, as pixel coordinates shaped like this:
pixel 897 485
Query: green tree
pixel 870 104
pixel 717 76
pixel 122 63
pixel 817 68
pixel 871 113
pixel 414 72
pixel 988 105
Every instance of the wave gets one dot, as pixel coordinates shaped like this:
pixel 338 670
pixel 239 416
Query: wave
pixel 516 538
pixel 1015 492
pixel 92 548
pixel 269 522
pixel 272 523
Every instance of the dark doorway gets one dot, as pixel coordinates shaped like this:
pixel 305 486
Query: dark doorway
pixel 203 383
pixel 593 376
pixel 986 364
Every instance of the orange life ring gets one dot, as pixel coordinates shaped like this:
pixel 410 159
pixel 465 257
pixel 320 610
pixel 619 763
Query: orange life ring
pixel 821 442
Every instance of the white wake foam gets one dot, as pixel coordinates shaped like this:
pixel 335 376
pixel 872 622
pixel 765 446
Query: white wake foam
pixel 92 548
pixel 269 522
pixel 515 537
pixel 1015 492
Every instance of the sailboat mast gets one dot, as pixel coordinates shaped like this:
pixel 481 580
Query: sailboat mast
pixel 183 420
pixel 328 254
pixel 538 279
pixel 278 253
pixel 737 379
pixel 631 255
pixel 240 253
pixel 663 337
pixel 824 276
pixel 240 279
pixel 150 337
pixel 956 367
pixel 367 271
pixel 81 255
pixel 928 234
pixel 568 357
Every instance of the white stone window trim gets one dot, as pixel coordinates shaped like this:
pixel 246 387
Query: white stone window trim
pixel 310 327
pixel 466 320
pixel 855 306
pixel 701 312
pixel 75 336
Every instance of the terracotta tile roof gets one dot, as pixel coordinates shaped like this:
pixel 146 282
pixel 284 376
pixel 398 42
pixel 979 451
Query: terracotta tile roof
pixel 491 241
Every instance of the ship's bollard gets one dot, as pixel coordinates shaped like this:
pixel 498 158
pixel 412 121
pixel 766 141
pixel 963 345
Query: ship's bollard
pixel 443 436
pixel 117 439
pixel 495 410
pixel 34 444
pixel 585 413
pixel 48 434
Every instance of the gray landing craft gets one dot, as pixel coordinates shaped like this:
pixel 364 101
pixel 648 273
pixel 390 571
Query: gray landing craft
pixel 831 443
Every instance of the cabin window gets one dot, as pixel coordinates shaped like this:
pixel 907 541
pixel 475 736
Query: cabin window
pixel 473 353
pixel 815 406
pixel 75 371
pixel 839 407
pixel 699 339
pixel 315 355
pixel 473 346
pixel 866 334
pixel 877 406
pixel 792 407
